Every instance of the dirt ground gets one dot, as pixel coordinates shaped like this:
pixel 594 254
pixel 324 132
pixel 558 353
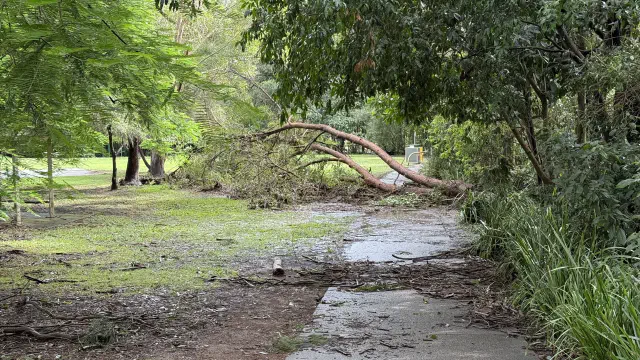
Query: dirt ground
pixel 249 315
pixel 231 322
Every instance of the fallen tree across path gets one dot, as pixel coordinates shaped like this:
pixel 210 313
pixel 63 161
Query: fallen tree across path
pixel 452 188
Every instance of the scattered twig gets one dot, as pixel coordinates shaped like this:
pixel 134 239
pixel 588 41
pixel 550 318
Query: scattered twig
pixel 34 333
pixel 314 260
pixel 48 281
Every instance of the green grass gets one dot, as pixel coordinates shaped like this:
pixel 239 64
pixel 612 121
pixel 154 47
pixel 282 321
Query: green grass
pixel 373 163
pixel 586 299
pixel 100 164
pixel 182 238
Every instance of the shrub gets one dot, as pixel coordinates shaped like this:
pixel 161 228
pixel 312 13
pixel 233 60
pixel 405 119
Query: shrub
pixel 585 297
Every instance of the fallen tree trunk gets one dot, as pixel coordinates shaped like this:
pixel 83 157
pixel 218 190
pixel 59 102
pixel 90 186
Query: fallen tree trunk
pixel 368 178
pixel 448 187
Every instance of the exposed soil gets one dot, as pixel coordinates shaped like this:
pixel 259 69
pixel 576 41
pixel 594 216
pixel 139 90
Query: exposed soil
pixel 231 322
pixel 243 316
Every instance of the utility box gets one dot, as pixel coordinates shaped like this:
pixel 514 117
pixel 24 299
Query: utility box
pixel 413 154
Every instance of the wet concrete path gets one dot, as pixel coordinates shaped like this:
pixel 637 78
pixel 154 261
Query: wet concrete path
pixel 401 324
pixel 397 179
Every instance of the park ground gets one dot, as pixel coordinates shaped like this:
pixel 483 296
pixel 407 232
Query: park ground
pixel 158 272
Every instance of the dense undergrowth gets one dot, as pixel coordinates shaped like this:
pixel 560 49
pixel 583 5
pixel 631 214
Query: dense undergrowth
pixel 584 296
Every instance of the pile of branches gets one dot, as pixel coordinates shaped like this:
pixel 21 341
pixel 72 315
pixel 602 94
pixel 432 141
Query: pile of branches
pixel 89 330
pixel 296 161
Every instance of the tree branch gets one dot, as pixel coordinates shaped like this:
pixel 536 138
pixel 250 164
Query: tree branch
pixel 448 187
pixel 253 83
pixel 318 161
pixel 366 175
pixel 144 158
pixel 534 161
pixel 572 45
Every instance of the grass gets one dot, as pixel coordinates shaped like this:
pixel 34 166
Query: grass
pixel 586 299
pixel 102 167
pixel 181 238
pixel 286 344
pixel 373 163
pixel 100 164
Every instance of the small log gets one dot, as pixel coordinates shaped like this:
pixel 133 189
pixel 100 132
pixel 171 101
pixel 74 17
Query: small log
pixel 277 267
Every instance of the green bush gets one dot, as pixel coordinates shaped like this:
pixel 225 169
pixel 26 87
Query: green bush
pixel 586 298
pixel 483 154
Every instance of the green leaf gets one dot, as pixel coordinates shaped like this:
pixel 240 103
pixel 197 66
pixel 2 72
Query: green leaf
pixel 41 2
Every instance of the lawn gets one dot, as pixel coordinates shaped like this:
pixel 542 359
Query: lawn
pixel 373 163
pixel 155 237
pixel 102 167
pixel 137 239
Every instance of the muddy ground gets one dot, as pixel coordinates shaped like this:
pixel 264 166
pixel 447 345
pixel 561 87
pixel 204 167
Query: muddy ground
pixel 253 315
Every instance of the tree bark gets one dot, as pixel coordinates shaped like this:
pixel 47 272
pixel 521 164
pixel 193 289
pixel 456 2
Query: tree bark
pixel 546 179
pixel 132 176
pixel 52 211
pixel 581 135
pixel 530 128
pixel 544 99
pixel 448 187
pixel 157 165
pixel 17 220
pixel 368 178
pixel 144 158
pixel 114 171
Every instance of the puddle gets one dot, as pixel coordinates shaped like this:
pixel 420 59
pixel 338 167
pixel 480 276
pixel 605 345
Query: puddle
pixel 377 236
pixel 401 324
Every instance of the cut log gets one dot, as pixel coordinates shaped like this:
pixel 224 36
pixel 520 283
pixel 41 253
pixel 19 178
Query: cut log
pixel 277 267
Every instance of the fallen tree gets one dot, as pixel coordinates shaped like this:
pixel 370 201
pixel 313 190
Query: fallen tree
pixel 452 188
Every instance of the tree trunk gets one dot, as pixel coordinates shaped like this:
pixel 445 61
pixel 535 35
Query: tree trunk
pixel 131 176
pixel 448 187
pixel 600 111
pixel 369 179
pixel 581 135
pixel 530 128
pixel 17 220
pixel 546 179
pixel 157 165
pixel 114 171
pixel 52 211
pixel 144 159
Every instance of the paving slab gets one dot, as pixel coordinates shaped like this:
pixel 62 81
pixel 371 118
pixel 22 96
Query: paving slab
pixel 409 233
pixel 397 179
pixel 26 173
pixel 401 325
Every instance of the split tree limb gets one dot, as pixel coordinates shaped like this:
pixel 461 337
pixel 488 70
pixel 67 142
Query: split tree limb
pixel 448 187
pixel 144 159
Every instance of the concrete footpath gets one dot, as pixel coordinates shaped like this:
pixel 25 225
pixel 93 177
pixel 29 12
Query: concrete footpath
pixel 401 324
